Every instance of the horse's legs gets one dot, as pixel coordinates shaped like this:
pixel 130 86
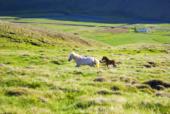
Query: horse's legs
pixel 107 65
pixel 114 65
pixel 77 65
pixel 93 64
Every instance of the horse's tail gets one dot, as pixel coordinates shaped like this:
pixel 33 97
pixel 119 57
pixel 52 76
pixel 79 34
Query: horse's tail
pixel 97 63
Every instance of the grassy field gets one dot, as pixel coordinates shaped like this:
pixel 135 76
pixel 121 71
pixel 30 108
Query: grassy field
pixel 37 78
pixel 113 34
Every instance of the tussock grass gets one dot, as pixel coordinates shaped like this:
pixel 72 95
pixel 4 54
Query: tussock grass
pixel 39 79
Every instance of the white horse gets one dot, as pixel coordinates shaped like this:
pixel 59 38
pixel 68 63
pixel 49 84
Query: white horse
pixel 83 60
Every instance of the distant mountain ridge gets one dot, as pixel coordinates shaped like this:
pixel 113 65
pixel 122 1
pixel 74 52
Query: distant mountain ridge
pixel 152 9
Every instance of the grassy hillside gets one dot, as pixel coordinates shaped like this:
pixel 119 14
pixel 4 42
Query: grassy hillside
pixel 37 78
pixel 152 9
pixel 113 34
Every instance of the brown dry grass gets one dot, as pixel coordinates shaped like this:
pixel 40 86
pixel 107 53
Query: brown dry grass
pixel 114 30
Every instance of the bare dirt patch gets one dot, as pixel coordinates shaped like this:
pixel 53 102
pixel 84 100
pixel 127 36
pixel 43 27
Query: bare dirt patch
pixel 104 92
pixel 150 64
pixel 163 94
pixel 114 30
pixel 16 91
pixel 100 79
pixel 128 80
pixel 157 84
pixel 115 88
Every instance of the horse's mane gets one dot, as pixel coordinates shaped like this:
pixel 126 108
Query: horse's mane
pixel 104 57
pixel 75 54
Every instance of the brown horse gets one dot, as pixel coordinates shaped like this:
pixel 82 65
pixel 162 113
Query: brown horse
pixel 108 62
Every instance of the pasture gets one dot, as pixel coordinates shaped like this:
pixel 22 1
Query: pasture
pixel 36 76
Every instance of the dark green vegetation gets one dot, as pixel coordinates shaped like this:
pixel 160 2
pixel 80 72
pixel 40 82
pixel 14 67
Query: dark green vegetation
pixel 149 9
pixel 37 78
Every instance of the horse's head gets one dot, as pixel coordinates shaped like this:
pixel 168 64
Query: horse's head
pixel 71 56
pixel 104 59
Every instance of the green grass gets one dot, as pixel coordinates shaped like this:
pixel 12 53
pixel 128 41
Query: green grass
pixel 89 30
pixel 39 79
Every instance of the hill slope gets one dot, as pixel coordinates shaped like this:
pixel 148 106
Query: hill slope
pixel 155 9
pixel 36 77
pixel 19 33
